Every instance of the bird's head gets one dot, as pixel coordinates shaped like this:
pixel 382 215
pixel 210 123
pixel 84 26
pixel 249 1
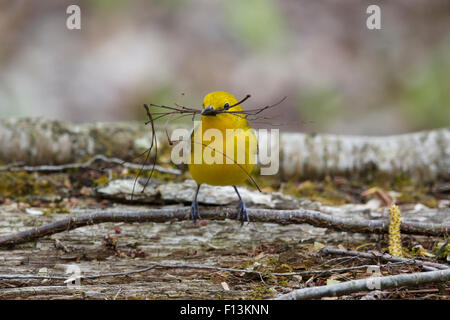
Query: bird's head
pixel 218 103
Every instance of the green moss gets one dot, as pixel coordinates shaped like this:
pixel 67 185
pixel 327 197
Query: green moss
pixel 260 291
pixel 21 184
pixel 444 252
pixel 306 189
pixel 245 265
pixel 61 210
pixel 156 175
pixel 283 282
pixel 323 191
pixel 417 194
pixel 101 181
pixel 375 178
pixel 410 192
pixel 272 261
pixel 264 182
pixel 283 268
pixel 402 181
pixel 431 202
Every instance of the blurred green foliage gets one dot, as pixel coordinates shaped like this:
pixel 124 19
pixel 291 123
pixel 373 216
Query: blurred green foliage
pixel 116 5
pixel 321 105
pixel 425 98
pixel 166 95
pixel 258 23
pixel 108 5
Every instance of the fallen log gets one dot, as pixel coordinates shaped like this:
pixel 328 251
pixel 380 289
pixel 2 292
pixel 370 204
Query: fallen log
pixel 422 156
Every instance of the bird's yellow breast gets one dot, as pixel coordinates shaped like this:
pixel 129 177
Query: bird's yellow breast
pixel 224 146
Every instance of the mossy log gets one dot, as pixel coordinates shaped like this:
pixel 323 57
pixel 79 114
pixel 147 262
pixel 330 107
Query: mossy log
pixel 422 156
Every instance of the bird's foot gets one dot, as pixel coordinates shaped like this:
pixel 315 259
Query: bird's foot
pixel 194 211
pixel 242 213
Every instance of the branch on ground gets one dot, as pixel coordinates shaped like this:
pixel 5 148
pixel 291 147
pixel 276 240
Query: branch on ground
pixel 369 284
pixel 431 266
pixel 283 217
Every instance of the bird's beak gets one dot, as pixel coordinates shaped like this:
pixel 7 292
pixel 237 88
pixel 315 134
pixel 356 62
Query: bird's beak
pixel 208 111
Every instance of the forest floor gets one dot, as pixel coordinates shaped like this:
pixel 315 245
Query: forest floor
pixel 189 259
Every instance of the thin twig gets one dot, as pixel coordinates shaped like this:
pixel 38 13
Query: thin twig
pixel 30 276
pixel 385 257
pixel 187 111
pixel 117 294
pixel 184 111
pixel 338 270
pixel 283 217
pixel 153 143
pixel 186 266
pixel 127 273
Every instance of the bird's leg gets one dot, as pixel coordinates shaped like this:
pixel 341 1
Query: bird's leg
pixel 194 206
pixel 242 209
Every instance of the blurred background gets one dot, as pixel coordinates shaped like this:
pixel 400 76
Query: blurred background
pixel 338 76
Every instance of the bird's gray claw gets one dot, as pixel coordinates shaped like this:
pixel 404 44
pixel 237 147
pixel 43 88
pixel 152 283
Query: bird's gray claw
pixel 194 212
pixel 242 213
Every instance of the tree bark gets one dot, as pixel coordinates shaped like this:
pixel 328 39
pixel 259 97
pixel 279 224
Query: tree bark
pixel 422 156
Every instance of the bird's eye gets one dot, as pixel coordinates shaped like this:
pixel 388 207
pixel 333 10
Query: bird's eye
pixel 226 106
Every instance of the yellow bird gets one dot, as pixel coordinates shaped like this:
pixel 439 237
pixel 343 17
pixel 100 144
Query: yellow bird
pixel 223 148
